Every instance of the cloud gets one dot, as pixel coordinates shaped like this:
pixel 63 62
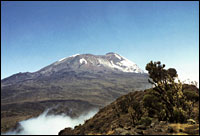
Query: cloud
pixel 50 124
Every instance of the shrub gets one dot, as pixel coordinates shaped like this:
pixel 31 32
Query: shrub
pixel 152 104
pixel 191 95
pixel 145 121
pixel 180 115
pixel 167 95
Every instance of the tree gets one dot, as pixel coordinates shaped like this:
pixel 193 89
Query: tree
pixel 153 106
pixel 167 93
pixel 129 104
pixel 135 111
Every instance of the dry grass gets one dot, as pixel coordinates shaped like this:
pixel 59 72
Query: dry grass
pixel 180 133
pixel 185 129
pixel 110 132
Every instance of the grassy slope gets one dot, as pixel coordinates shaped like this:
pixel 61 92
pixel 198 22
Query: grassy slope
pixel 106 121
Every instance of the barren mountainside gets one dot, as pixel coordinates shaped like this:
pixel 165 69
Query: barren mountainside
pixel 76 83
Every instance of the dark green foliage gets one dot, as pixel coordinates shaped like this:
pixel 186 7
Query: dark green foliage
pixel 191 95
pixel 179 116
pixel 156 71
pixel 129 104
pixel 122 106
pixel 158 74
pixel 145 121
pixel 172 72
pixel 166 100
pixel 135 112
pixel 153 105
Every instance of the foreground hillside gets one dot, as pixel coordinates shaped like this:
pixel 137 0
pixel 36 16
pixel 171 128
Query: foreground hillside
pixel 115 119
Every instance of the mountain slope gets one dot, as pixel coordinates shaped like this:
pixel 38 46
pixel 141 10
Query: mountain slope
pixel 93 80
pixel 111 120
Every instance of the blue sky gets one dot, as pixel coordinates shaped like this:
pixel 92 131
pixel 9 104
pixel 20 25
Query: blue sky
pixel 36 34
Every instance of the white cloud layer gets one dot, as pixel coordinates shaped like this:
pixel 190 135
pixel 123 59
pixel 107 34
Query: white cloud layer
pixel 50 124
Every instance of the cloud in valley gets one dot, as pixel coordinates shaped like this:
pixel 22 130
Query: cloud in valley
pixel 50 124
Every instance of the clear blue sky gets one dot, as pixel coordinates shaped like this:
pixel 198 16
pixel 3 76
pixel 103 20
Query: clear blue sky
pixel 36 34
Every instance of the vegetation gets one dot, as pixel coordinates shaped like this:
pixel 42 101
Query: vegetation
pixel 117 118
pixel 166 100
pixel 131 106
pixel 155 111
pixel 160 110
pixel 145 121
pixel 169 100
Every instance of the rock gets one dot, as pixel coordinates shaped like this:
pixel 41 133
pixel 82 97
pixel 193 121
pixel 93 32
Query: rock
pixel 121 126
pixel 77 126
pixel 170 129
pixel 113 126
pixel 192 132
pixel 127 128
pixel 139 131
pixel 163 122
pixel 192 129
pixel 121 131
pixel 118 131
pixel 152 125
pixel 158 130
pixel 133 132
pixel 141 127
pixel 191 121
pixel 125 133
pixel 66 131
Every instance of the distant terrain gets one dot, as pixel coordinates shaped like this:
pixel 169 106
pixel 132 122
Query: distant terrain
pixel 72 85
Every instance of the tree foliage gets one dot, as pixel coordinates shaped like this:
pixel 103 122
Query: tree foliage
pixel 129 104
pixel 166 100
pixel 135 112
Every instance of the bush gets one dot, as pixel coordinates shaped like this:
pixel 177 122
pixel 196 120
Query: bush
pixel 135 112
pixel 191 95
pixel 180 116
pixel 152 104
pixel 168 95
pixel 145 121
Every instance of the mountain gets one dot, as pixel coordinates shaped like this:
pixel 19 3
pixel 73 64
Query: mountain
pixel 114 119
pixel 111 62
pixel 71 85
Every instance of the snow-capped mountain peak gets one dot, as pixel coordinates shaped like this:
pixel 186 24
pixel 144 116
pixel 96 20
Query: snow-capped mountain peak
pixel 123 64
pixel 82 60
pixel 112 62
pixel 68 57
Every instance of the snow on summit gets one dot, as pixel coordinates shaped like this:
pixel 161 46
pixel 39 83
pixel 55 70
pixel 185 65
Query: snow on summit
pixel 62 59
pixel 118 56
pixel 109 62
pixel 74 55
pixel 82 60
pixel 122 63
